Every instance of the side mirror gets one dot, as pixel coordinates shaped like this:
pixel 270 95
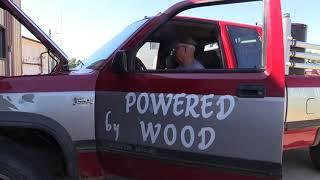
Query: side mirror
pixel 120 62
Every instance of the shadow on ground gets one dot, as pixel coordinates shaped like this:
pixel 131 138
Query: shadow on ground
pixel 298 166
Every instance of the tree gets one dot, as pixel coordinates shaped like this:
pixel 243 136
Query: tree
pixel 73 63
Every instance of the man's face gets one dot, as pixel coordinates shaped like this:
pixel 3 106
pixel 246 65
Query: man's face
pixel 184 54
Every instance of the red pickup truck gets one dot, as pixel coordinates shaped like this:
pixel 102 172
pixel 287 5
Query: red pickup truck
pixel 128 113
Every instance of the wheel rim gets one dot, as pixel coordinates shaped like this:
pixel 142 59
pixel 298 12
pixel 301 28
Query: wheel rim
pixel 4 177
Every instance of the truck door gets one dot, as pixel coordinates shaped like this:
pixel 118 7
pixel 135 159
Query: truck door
pixel 165 124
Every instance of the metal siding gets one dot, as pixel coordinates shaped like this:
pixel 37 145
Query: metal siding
pixel 31 61
pixel 30 69
pixel 76 114
pixel 1 17
pixel 223 120
pixel 2 62
pixel 2 68
pixel 303 104
pixel 13 38
pixel 16 45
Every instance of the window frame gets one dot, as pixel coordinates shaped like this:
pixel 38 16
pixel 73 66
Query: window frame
pixel 159 48
pixel 221 50
pixel 4 57
pixel 227 26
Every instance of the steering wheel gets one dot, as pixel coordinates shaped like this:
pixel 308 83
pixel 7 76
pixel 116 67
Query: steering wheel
pixel 139 66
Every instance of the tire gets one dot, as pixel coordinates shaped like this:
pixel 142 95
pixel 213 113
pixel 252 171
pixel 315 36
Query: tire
pixel 16 164
pixel 315 156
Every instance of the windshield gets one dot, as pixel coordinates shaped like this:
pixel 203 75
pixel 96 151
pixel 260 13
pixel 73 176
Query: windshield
pixel 107 49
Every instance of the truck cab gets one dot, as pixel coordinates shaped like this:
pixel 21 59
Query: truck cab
pixel 194 117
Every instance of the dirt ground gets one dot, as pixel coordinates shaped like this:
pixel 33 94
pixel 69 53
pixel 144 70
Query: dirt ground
pixel 298 166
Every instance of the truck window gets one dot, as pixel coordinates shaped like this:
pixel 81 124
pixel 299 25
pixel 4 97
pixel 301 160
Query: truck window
pixel 203 25
pixel 211 47
pixel 247 47
pixel 148 54
pixel 158 51
pixel 97 58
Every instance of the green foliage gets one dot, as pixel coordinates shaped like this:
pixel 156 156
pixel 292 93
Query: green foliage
pixel 73 63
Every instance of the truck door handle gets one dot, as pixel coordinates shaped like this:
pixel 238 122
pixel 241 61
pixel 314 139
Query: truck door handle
pixel 251 91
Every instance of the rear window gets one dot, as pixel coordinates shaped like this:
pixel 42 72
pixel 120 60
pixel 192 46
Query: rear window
pixel 247 47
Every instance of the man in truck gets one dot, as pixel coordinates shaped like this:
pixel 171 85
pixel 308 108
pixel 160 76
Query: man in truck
pixel 184 52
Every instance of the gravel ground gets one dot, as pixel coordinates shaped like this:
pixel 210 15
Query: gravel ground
pixel 298 166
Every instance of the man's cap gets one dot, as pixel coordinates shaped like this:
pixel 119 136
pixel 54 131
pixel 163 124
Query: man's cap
pixel 186 40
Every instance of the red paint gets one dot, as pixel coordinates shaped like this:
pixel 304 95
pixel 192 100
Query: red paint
pixel 173 9
pixel 274 46
pixel 302 138
pixel 227 47
pixel 302 81
pixel 130 167
pixel 89 165
pixel 144 169
pixel 196 83
pixel 48 83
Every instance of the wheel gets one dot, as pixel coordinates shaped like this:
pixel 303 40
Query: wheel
pixel 16 164
pixel 315 156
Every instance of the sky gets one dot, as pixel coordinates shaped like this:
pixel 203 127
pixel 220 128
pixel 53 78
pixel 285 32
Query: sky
pixel 80 27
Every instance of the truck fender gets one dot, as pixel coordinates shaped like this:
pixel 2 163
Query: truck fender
pixel 48 125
